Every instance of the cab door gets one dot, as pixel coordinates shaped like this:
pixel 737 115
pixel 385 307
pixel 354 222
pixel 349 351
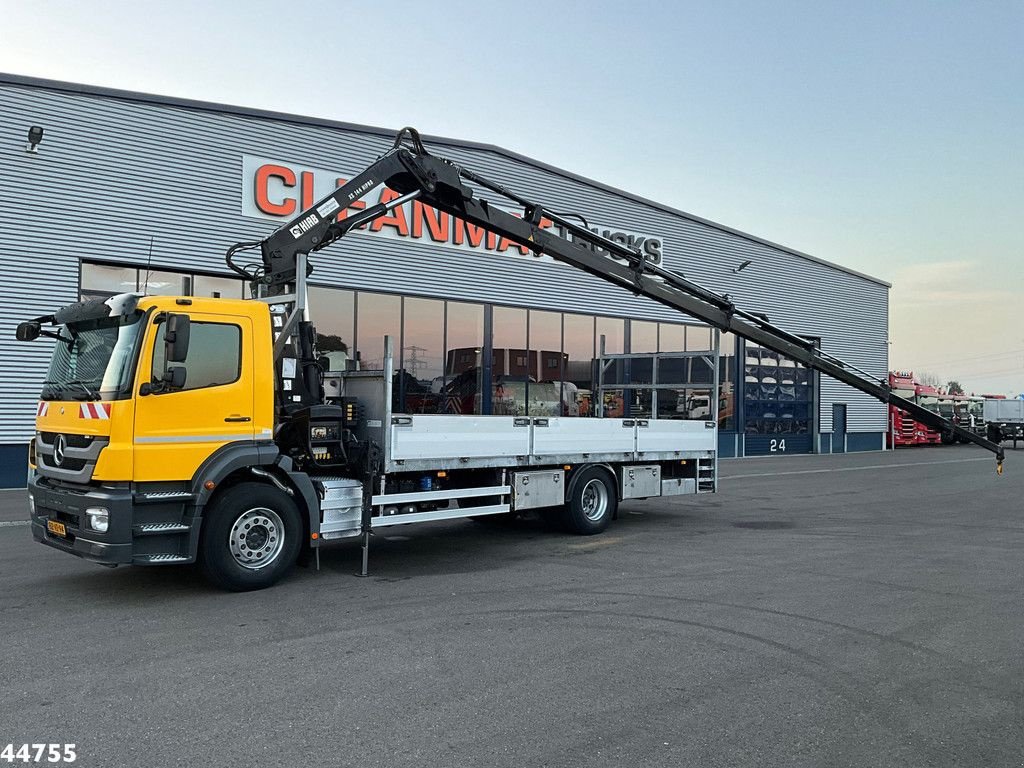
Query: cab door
pixel 177 430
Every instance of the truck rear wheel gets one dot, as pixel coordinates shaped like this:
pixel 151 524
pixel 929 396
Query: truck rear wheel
pixel 251 537
pixel 592 502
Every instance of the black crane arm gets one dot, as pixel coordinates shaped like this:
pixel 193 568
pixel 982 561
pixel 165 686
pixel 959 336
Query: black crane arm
pixel 412 172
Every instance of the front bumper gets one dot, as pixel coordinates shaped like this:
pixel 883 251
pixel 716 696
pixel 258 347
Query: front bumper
pixel 67 506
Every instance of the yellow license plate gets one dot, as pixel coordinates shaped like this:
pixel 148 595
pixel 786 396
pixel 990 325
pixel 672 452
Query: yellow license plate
pixel 56 528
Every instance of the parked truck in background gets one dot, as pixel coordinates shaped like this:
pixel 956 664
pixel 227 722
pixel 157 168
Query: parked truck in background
pixel 928 398
pixel 1004 419
pixel 902 426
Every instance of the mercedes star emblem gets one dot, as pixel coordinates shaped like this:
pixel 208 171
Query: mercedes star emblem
pixel 60 445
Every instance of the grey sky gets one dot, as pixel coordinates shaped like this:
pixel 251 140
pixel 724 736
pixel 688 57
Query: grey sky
pixel 886 137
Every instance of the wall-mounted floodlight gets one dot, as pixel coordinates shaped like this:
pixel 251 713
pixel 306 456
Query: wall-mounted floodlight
pixel 742 266
pixel 35 137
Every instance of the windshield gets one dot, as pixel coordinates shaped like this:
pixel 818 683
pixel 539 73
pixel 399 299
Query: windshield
pixel 93 359
pixel 906 394
pixel 928 401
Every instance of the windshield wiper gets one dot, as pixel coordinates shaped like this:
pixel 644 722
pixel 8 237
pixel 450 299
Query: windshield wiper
pixel 62 386
pixel 89 392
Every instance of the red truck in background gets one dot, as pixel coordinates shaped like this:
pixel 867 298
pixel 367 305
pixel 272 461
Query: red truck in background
pixel 928 397
pixel 963 410
pixel 902 427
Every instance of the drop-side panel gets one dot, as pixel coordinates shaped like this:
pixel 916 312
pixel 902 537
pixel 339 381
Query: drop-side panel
pixel 669 439
pixel 577 439
pixel 438 441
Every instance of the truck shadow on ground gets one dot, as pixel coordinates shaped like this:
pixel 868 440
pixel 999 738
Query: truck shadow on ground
pixel 404 552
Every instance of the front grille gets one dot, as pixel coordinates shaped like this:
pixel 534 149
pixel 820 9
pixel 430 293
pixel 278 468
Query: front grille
pixel 70 464
pixel 74 441
pixel 80 455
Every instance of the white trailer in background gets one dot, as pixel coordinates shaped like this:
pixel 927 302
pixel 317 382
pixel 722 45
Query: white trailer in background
pixel 1005 419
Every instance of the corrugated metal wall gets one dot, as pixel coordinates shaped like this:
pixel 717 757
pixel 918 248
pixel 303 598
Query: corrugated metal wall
pixel 111 173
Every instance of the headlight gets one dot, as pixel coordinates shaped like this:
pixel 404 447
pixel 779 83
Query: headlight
pixel 99 518
pixel 31 505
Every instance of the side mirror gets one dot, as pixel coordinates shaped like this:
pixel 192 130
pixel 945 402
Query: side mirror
pixel 28 331
pixel 175 378
pixel 176 335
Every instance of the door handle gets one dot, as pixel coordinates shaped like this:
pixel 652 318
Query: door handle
pixel 237 418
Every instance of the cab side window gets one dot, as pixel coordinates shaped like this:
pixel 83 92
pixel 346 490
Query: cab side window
pixel 214 355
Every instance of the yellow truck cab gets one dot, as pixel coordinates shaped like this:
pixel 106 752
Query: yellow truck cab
pixel 130 446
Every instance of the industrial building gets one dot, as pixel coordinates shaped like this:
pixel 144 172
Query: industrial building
pixel 128 191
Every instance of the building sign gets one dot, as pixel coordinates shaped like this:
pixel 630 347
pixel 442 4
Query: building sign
pixel 277 191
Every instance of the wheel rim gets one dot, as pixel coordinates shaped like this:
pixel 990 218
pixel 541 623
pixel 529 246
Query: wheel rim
pixel 257 538
pixel 594 500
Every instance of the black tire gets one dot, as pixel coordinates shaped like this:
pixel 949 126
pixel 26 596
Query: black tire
pixel 268 524
pixel 948 438
pixel 593 500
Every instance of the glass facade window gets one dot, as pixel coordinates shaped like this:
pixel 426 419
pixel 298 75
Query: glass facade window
pixel 548 393
pixel 727 383
pixel 578 348
pixel 777 393
pixel 158 283
pixel 671 337
pixel 614 331
pixel 217 287
pixel 333 313
pixel 421 377
pixel 377 315
pixel 100 280
pixel 464 346
pixel 698 338
pixel 643 336
pixel 510 380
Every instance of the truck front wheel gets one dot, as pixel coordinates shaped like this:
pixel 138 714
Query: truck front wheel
pixel 592 502
pixel 251 537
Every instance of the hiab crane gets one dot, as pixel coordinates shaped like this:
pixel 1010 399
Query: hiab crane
pixel 179 429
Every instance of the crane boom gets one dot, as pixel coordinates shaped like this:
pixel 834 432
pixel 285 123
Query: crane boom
pixel 411 171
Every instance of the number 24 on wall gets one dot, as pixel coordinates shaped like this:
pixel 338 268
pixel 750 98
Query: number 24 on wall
pixel 777 446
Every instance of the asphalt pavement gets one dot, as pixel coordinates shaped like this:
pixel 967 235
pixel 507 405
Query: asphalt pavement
pixel 822 610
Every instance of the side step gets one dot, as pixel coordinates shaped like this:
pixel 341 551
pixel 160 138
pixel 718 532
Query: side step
pixel 162 497
pixel 153 529
pixel 159 559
